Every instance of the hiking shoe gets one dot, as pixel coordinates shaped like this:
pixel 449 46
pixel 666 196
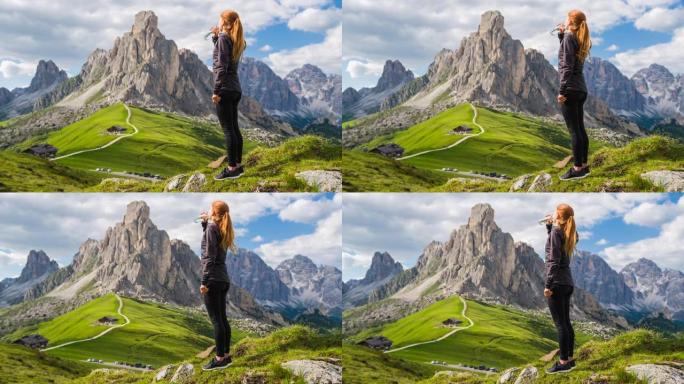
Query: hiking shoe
pixel 558 367
pixel 572 363
pixel 572 174
pixel 587 170
pixel 215 364
pixel 228 174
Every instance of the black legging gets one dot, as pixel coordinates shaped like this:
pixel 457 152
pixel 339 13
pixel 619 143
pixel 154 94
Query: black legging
pixel 227 111
pixel 215 301
pixel 573 113
pixel 559 305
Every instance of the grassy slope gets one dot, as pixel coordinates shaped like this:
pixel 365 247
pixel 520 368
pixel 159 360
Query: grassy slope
pixel 364 365
pixel 266 169
pixel 23 365
pixel 157 334
pixel 255 355
pixel 501 337
pixel 166 144
pixel 25 173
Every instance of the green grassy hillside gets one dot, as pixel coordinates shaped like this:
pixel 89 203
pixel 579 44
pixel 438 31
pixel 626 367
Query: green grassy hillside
pixel 364 365
pixel 156 335
pixel 25 173
pixel 500 338
pixel 24 365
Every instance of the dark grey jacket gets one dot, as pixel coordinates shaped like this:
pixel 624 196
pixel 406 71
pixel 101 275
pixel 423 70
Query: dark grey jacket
pixel 213 256
pixel 225 68
pixel 570 68
pixel 557 261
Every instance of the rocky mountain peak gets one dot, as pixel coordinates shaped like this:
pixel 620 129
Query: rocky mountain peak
pixel 47 75
pixel 393 74
pixel 591 273
pixel 145 22
pixel 38 263
pixel 383 265
pixel 491 21
pixel 136 211
pixel 481 214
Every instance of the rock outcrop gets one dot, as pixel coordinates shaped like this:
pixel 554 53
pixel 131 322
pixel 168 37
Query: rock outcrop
pixel 37 269
pixel 607 83
pixel 670 181
pixel 315 371
pixel 23 100
pixel 383 268
pixel 323 181
pixel 321 94
pixel 260 82
pixel 249 271
pixel 655 289
pixel 591 273
pixel 657 373
pixel 663 91
pixel 311 285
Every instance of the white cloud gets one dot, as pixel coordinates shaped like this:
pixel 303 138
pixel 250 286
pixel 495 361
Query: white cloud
pixel 266 48
pixel 612 48
pixel 309 210
pixel 650 214
pixel 324 245
pixel 661 19
pixel 602 242
pixel 326 55
pixel 12 68
pixel 358 68
pixel 257 239
pixel 315 20
pixel 669 54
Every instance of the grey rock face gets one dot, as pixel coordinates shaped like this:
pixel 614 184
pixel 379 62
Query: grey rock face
pixel 671 181
pixel 369 100
pixel 311 285
pixel 183 374
pixel 195 182
pixel 22 100
pixel 320 93
pixel 249 271
pixel 656 373
pixel 315 371
pixel 607 83
pixel 540 183
pixel 37 269
pixel 655 289
pixel 325 181
pixel 527 376
pixel 383 268
pixel 260 82
pixel 663 90
pixel 591 273
pixel 47 75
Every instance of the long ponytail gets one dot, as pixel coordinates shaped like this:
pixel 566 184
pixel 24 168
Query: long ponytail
pixel 222 219
pixel 566 220
pixel 236 33
pixel 581 30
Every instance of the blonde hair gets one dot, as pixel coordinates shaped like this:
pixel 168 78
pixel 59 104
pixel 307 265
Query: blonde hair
pixel 221 216
pixel 232 19
pixel 579 27
pixel 566 221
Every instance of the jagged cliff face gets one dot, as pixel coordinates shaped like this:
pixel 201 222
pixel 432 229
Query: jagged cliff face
pixel 594 275
pixel 321 94
pixel 23 100
pixel 311 285
pixel 249 271
pixel 663 90
pixel 607 83
pixel 260 82
pixel 383 268
pixel 37 268
pixel 369 100
pixel 655 289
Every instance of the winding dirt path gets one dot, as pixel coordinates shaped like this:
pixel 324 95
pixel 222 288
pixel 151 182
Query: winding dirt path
pixel 463 314
pixel 128 121
pixel 482 130
pixel 106 331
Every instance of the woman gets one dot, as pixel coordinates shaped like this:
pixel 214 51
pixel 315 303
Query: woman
pixel 229 44
pixel 575 44
pixel 558 286
pixel 218 238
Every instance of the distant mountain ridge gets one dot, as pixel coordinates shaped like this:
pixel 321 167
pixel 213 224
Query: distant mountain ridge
pixel 24 100
pixel 382 269
pixel 36 270
pixel 370 100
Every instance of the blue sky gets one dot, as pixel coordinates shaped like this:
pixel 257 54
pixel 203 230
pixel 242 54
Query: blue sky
pixel 621 228
pixel 631 33
pixel 276 226
pixel 284 33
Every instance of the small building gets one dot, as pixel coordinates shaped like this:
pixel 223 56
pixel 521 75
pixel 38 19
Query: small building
pixel 451 322
pixel 116 130
pixel 389 150
pixel 33 341
pixel 377 342
pixel 462 130
pixel 107 320
pixel 42 150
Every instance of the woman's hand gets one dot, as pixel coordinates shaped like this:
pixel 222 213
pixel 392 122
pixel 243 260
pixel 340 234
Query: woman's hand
pixel 548 292
pixel 215 30
pixel 215 99
pixel 561 99
pixel 204 216
pixel 203 289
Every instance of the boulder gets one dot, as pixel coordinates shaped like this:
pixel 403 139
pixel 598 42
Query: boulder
pixel 540 183
pixel 315 372
pixel 163 372
pixel 527 375
pixel 254 378
pixel 657 374
pixel 195 182
pixel 519 183
pixel 325 181
pixel 671 181
pixel 174 183
pixel 183 373
pixel 507 376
